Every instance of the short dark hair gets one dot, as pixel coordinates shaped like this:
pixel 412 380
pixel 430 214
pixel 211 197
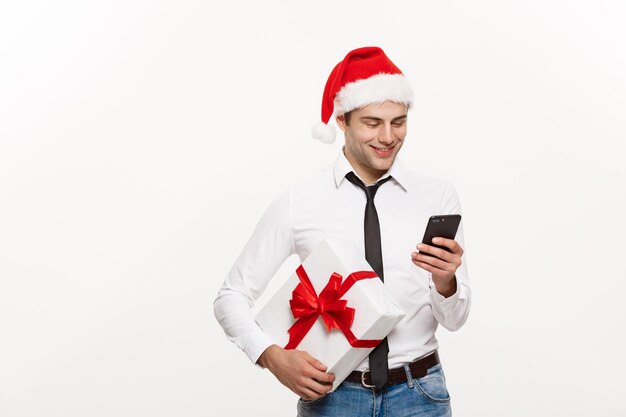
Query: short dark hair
pixel 346 117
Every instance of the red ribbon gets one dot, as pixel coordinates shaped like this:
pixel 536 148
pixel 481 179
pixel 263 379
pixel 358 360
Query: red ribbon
pixel 307 306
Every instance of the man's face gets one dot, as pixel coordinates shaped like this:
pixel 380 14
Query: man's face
pixel 374 137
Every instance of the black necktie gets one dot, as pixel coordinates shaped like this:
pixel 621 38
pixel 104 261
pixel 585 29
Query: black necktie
pixel 374 255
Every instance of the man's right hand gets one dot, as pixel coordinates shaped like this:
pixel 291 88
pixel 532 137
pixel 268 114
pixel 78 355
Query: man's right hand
pixel 298 371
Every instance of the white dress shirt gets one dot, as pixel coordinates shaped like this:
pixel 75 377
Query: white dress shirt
pixel 328 205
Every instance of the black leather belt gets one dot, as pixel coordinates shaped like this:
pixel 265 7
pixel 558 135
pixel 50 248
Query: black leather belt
pixel 419 369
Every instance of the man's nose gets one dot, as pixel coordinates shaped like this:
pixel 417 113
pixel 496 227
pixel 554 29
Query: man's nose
pixel 386 136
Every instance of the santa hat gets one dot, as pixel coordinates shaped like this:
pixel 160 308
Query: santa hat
pixel 365 76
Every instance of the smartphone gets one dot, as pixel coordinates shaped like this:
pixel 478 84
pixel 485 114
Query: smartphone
pixel 444 225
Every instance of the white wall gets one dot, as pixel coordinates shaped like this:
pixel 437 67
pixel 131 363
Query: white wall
pixel 141 141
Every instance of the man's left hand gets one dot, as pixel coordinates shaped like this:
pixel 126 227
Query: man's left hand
pixel 442 265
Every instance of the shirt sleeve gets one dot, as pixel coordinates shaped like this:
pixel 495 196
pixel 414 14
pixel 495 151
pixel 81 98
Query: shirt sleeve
pixel 452 312
pixel 270 245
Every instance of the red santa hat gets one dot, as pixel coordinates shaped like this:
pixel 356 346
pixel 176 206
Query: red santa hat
pixel 365 76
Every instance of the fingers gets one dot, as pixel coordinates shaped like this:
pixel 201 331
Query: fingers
pixel 451 244
pixel 448 261
pixel 431 264
pixel 439 253
pixel 314 381
pixel 432 269
pixel 450 265
pixel 441 264
pixel 317 364
pixel 314 392
pixel 312 388
pixel 308 394
pixel 319 372
pixel 324 377
pixel 318 388
pixel 301 373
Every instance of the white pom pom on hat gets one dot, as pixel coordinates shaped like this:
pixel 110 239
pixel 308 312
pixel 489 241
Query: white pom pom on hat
pixel 365 76
pixel 324 132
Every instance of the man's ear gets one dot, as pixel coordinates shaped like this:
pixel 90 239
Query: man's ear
pixel 341 122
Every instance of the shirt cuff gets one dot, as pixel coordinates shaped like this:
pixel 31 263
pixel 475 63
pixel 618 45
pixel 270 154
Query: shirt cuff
pixel 447 305
pixel 254 345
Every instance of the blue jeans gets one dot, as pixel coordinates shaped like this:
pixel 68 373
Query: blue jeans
pixel 424 397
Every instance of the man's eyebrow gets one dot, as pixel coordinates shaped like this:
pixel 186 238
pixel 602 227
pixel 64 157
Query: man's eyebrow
pixel 377 119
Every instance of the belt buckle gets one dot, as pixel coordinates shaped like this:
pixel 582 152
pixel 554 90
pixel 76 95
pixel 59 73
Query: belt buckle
pixel 363 380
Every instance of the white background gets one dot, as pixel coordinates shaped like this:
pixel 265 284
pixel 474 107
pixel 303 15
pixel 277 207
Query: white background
pixel 141 141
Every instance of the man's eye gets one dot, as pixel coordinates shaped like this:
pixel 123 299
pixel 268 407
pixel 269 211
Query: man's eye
pixel 398 124
pixel 371 124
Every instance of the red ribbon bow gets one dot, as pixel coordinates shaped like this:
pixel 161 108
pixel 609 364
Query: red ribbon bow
pixel 307 306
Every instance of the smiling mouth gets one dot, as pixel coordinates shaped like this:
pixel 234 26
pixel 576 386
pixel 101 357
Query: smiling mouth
pixel 383 151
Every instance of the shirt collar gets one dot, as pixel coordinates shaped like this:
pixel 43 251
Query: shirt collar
pixel 397 171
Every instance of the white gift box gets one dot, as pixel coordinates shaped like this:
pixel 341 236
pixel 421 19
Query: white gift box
pixel 375 312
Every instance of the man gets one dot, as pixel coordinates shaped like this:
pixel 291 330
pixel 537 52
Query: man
pixel 370 97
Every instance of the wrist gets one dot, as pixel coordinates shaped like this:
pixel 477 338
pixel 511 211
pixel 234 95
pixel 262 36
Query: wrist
pixel 448 289
pixel 265 360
